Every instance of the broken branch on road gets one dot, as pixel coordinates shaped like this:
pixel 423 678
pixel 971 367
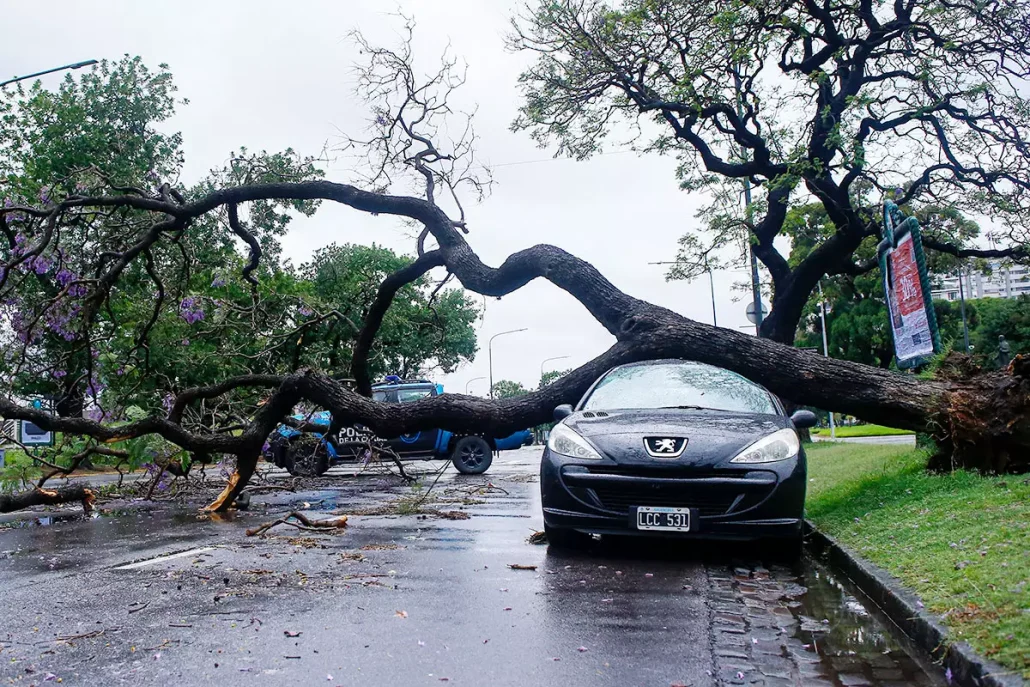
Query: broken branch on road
pixel 302 523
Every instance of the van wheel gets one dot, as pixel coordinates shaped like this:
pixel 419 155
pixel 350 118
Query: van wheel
pixel 472 455
pixel 306 457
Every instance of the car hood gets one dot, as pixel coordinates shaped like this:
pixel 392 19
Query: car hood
pixel 713 437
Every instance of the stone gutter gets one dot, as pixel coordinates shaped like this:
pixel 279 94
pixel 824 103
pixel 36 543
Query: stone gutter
pixel 907 612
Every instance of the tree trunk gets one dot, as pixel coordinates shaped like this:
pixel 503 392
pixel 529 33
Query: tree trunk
pixel 47 497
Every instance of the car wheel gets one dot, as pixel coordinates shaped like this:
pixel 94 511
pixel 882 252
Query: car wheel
pixel 306 457
pixel 472 455
pixel 562 538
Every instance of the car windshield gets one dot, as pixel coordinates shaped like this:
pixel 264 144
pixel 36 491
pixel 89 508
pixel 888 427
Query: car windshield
pixel 679 385
pixel 400 395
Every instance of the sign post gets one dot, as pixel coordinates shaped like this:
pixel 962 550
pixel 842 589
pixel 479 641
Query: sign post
pixel 31 434
pixel 906 286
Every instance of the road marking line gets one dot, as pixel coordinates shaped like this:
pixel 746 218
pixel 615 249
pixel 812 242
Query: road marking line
pixel 162 559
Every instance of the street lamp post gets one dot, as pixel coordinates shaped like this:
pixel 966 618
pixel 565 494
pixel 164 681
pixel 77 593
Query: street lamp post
pixel 756 284
pixel 76 65
pixel 474 379
pixel 547 360
pixel 490 354
pixel 711 286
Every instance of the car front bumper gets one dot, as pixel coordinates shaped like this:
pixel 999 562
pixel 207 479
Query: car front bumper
pixel 728 502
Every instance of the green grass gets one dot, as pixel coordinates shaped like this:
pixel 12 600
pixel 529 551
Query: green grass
pixel 960 541
pixel 861 431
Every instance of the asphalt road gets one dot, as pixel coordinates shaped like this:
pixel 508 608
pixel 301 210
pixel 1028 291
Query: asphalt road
pixel 169 597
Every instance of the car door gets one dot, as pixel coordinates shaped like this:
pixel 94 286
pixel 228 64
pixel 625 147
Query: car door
pixel 421 443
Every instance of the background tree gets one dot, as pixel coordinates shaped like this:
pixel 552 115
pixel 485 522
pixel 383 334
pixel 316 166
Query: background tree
pixel 807 102
pixel 551 376
pixel 1008 317
pixel 425 328
pixel 505 388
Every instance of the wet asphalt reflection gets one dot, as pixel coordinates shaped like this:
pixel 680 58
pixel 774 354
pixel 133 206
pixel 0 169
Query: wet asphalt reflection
pixel 156 596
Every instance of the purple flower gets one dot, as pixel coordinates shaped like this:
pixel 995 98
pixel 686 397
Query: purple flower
pixel 40 265
pixel 190 310
pixel 305 311
pixel 185 342
pixel 65 276
pixel 218 281
pixel 81 187
pixel 95 387
pixel 380 120
pixel 96 414
pixel 120 371
pixel 59 373
pixel 168 401
pixel 44 195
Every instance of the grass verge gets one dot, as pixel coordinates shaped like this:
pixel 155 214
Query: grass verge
pixel 861 431
pixel 960 541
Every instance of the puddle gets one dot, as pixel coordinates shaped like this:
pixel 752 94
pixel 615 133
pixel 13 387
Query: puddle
pixel 852 640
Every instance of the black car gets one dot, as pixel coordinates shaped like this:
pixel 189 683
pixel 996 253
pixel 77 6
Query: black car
pixel 675 448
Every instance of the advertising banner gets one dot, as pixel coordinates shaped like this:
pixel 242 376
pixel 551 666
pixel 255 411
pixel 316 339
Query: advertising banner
pixel 906 286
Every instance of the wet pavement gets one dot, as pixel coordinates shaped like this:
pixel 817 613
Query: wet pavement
pixel 165 596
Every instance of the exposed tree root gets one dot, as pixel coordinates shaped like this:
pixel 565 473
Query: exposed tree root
pixel 984 426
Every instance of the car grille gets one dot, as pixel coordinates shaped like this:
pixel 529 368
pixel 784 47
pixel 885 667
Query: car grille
pixel 621 498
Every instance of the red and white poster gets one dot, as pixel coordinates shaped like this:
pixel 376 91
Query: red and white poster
pixel 912 335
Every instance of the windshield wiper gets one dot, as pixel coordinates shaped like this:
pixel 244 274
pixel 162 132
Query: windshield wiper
pixel 721 410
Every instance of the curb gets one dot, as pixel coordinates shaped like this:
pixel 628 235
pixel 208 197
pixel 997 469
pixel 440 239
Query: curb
pixel 906 611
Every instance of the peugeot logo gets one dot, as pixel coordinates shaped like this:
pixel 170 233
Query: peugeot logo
pixel 665 447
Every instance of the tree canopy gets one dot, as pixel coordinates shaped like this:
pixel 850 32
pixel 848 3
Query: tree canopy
pixel 194 307
pixel 841 103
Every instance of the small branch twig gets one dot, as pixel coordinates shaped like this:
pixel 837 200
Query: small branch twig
pixel 304 523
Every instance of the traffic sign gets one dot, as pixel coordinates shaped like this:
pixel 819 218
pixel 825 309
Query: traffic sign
pixel 750 311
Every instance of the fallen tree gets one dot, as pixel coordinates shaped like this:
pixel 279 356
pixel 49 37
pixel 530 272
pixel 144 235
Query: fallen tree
pixel 983 420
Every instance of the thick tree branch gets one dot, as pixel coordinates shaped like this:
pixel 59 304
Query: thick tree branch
pixel 374 319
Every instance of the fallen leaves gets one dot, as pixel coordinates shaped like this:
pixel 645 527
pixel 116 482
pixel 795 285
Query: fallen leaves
pixel 291 633
pixel 401 614
pixel 537 538
pixel 453 515
pixel 520 566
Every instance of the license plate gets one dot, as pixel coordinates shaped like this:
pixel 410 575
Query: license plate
pixel 661 518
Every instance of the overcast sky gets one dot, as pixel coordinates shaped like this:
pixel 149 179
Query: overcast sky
pixel 270 75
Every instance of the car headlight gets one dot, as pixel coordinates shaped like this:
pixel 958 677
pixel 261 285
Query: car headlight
pixel 779 445
pixel 566 442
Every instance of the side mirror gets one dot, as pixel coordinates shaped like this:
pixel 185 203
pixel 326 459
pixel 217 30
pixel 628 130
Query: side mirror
pixel 804 419
pixel 564 410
